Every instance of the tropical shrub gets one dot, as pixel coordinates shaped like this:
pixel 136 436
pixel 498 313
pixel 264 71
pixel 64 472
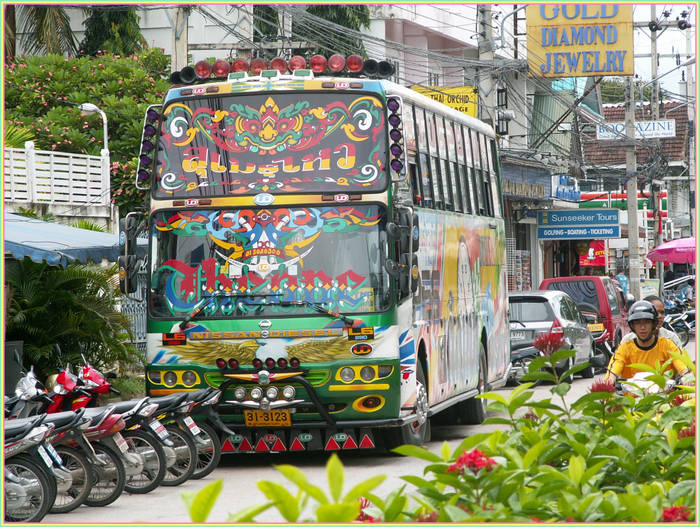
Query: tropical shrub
pixel 73 306
pixel 42 94
pixel 604 458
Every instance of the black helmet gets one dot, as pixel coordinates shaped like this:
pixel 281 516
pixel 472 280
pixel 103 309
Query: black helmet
pixel 643 310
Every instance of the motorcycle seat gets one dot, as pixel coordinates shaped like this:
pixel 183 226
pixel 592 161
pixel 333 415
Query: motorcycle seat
pixel 15 429
pixel 200 395
pixel 63 419
pixel 123 407
pixel 169 401
pixel 98 414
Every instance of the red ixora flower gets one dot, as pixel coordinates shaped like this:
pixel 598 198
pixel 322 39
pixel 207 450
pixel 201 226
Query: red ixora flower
pixel 474 460
pixel 601 385
pixel 428 517
pixel 550 342
pixel 676 514
pixel 363 517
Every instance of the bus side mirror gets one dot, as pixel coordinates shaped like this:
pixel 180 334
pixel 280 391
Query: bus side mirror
pixel 393 230
pixel 128 269
pixel 128 262
pixel 392 268
pixel 415 232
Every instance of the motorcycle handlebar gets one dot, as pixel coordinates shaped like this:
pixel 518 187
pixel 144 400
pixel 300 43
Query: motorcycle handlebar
pixel 114 390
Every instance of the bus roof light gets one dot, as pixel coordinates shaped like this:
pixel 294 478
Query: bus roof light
pixel 239 65
pixel 220 363
pixel 354 63
pixel 294 362
pixel 202 69
pixel 318 63
pixel 221 68
pixel 385 69
pixel 336 63
pixel 370 67
pixel 297 62
pixel 279 64
pixel 257 65
pixel 187 75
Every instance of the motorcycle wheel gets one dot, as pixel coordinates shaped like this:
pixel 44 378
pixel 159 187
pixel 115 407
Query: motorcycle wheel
pixel 209 455
pixel 107 481
pixel 38 489
pixel 154 469
pixel 79 467
pixel 186 461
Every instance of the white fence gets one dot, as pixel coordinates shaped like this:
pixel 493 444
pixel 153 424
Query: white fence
pixel 38 176
pixel 69 186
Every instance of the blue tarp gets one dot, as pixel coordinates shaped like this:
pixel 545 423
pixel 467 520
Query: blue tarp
pixel 55 243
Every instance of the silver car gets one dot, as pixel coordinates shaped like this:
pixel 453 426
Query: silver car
pixel 534 312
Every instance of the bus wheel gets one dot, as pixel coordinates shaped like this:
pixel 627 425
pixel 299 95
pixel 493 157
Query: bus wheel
pixel 417 432
pixel 473 411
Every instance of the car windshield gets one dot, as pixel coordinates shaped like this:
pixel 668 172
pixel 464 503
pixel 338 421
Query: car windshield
pixel 581 291
pixel 530 310
pixel 251 263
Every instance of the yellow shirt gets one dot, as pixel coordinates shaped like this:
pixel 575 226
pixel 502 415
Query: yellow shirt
pixel 629 353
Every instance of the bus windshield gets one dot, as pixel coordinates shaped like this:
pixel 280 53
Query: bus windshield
pixel 245 263
pixel 272 142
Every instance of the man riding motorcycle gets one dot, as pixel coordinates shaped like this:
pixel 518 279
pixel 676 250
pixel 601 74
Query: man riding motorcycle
pixel 646 348
pixel 661 313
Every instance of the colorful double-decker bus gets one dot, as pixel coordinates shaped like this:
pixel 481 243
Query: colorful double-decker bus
pixel 329 249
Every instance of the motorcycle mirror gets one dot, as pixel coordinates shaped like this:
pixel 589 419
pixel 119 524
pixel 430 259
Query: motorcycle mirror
pixel 110 375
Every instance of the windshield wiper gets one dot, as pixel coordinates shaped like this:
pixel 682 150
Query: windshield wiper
pixel 352 322
pixel 209 299
pixel 518 322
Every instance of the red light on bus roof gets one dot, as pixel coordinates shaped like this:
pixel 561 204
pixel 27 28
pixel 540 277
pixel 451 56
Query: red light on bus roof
pixel 318 63
pixel 279 64
pixel 202 69
pixel 336 63
pixel 239 65
pixel 257 65
pixel 221 68
pixel 354 63
pixel 220 363
pixel 297 62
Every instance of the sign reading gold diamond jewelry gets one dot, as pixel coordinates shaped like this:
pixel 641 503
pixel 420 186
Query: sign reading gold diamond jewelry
pixel 580 40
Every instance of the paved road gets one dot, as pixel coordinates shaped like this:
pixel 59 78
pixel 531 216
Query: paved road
pixel 241 472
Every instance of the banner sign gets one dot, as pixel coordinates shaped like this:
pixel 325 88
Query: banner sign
pixel 578 224
pixel 642 130
pixel 595 255
pixel 461 98
pixel 580 40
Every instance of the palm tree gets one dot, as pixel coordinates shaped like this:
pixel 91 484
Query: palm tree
pixel 45 29
pixel 73 306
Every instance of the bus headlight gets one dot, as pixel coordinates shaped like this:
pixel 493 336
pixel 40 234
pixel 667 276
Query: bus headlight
pixel 170 378
pixel 189 378
pixel 288 392
pixel 367 373
pixel 239 393
pixel 347 374
pixel 256 393
pixel 272 392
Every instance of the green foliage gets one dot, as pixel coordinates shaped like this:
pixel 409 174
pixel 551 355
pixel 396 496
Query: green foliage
pixel 46 29
pixel 329 40
pixel 114 30
pixel 199 504
pixel 265 22
pixel 129 386
pixel 613 91
pixel 31 213
pixel 41 94
pixel 16 136
pixel 73 306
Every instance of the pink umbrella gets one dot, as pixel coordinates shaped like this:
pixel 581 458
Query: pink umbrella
pixel 681 250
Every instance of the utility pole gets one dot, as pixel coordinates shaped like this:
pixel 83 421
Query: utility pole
pixel 179 33
pixel 690 94
pixel 632 219
pixel 487 88
pixel 655 190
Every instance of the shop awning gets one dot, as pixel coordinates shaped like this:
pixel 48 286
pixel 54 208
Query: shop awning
pixel 55 243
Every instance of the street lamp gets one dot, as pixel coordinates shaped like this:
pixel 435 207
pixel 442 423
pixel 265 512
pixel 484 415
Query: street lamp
pixel 88 108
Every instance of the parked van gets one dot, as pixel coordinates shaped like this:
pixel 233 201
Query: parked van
pixel 600 292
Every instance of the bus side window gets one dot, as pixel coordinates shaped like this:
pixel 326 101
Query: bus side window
pixel 415 182
pixel 464 156
pixel 495 178
pixel 444 170
pixel 485 176
pixel 454 175
pixel 474 169
pixel 438 195
pixel 422 165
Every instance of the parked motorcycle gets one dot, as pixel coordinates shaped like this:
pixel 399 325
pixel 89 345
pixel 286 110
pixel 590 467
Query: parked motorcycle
pixel 29 476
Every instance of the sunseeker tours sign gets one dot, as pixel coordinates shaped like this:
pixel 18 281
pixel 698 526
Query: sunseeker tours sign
pixel 580 40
